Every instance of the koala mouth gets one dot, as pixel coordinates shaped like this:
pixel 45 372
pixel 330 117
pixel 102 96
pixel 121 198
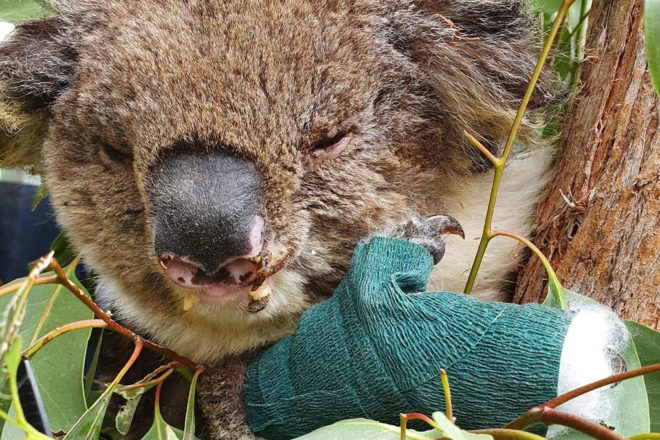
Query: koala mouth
pixel 243 281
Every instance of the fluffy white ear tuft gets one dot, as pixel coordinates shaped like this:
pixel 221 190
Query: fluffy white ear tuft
pixel 37 60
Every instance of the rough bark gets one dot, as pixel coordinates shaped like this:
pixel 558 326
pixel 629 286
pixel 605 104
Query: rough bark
pixel 599 221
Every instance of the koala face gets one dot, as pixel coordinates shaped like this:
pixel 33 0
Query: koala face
pixel 204 148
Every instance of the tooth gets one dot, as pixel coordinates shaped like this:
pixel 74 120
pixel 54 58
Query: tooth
pixel 189 301
pixel 262 292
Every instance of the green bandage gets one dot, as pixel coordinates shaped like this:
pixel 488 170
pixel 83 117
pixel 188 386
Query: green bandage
pixel 375 349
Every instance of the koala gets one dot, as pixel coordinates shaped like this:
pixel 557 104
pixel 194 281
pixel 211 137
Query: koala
pixel 198 150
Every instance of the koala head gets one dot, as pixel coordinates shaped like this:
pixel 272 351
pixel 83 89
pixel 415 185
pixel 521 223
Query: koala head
pixel 210 146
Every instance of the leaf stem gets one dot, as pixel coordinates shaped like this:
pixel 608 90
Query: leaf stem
pixel 48 337
pixel 414 416
pixel 499 166
pixel 449 412
pixel 653 368
pixel 149 383
pixel 479 146
pixel 13 287
pixel 139 344
pixel 533 416
pixel 648 436
pixel 8 418
pixel 550 416
pixel 508 434
pixel 556 287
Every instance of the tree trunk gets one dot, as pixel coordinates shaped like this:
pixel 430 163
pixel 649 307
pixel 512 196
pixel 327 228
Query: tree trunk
pixel 599 221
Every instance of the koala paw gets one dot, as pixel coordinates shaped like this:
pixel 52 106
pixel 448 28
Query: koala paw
pixel 427 232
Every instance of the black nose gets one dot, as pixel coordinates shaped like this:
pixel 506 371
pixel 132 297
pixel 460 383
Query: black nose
pixel 205 208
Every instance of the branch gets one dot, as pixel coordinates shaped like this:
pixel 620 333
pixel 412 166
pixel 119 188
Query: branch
pixel 13 287
pixel 508 434
pixel 501 162
pixel 653 368
pixel 479 146
pixel 149 383
pixel 62 278
pixel 550 416
pixel 48 337
pixel 547 414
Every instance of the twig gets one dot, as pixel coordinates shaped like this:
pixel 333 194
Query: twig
pixel 55 266
pixel 551 416
pixel 48 337
pixel 508 434
pixel 653 368
pixel 149 383
pixel 536 414
pixel 139 344
pixel 413 416
pixel 445 387
pixel 499 167
pixel 13 287
pixel 553 281
pixel 479 146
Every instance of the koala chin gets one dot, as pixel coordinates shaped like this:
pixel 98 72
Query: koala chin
pixel 199 151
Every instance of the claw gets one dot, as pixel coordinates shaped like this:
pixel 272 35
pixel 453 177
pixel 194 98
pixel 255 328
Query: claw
pixel 445 224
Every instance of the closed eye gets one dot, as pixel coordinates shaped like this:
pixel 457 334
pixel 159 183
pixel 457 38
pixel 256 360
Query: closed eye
pixel 330 147
pixel 113 154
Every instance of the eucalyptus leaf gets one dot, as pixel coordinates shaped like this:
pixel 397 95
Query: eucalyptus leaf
pixel 95 341
pixel 647 343
pixel 58 366
pixel 449 430
pixel 19 10
pixel 42 193
pixel 547 6
pixel 125 415
pixel 88 426
pixel 652 38
pixel 64 252
pixel 160 430
pixel 189 427
pixel 365 429
pixel 11 361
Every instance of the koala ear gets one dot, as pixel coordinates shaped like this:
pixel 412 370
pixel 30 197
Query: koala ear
pixel 478 57
pixel 36 63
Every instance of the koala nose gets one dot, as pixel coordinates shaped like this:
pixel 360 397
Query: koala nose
pixel 205 214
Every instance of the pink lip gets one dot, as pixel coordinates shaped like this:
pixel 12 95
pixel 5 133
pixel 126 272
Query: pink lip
pixel 223 293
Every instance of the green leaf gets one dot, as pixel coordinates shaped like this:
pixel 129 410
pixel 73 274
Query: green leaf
pixel 652 38
pixel 63 250
pixel 548 6
pixel 449 430
pixel 647 343
pixel 125 415
pixel 88 427
pixel 42 193
pixel 91 370
pixel 11 361
pixel 19 10
pixel 557 295
pixel 364 429
pixel 58 367
pixel 160 430
pixel 189 427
